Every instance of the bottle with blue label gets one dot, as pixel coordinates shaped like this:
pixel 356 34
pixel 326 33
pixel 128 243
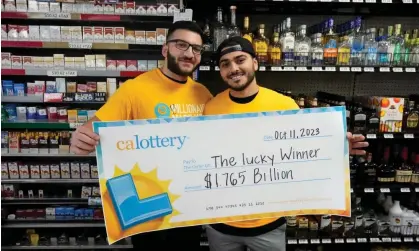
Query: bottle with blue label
pixel 370 48
pixel 357 44
pixel 382 49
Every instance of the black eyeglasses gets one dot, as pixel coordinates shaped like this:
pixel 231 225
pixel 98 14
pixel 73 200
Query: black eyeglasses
pixel 184 46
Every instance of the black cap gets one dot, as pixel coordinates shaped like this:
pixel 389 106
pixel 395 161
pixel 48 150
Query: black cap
pixel 234 44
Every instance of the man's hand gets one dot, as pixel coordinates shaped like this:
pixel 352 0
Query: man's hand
pixel 83 141
pixel 356 142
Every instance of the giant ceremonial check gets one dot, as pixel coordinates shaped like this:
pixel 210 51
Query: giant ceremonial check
pixel 167 173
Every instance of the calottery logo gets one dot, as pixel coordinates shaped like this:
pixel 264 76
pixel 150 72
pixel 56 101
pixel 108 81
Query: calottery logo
pixel 143 143
pixel 162 110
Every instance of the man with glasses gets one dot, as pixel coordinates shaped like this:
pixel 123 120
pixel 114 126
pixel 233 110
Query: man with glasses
pixel 160 93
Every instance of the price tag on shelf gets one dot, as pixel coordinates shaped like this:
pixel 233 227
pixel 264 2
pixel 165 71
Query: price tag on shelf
pixel 276 68
pixel 409 136
pixel 371 136
pixel 289 68
pixel 301 68
pixel 339 240
pixel 410 69
pixel 311 0
pixel 61 73
pixel 344 68
pixel 387 1
pixel 303 241
pixel 326 241
pixel 350 240
pixel 316 69
pixel 315 241
pixel 325 1
pixel 384 69
pixel 356 69
pixel 75 125
pixel 397 69
pixel 370 1
pixel 396 239
pixel 51 15
pixel 362 240
pixel 356 135
pixel 262 68
pixel 204 68
pixel 182 15
pixel 369 69
pixel 330 68
pixel 292 242
pixel 405 190
pixel 407 1
pixel 217 68
pixel 417 189
pixel 408 239
pixel 357 1
pixel 73 45
pixel 385 190
pixel 352 190
pixel 386 239
pixel 388 136
pixel 368 190
pixel 344 1
pixel 375 240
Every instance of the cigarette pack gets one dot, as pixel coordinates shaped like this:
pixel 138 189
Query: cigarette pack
pixel 4 32
pixel 111 65
pixel 17 62
pixel 88 34
pixel 98 34
pixel 162 9
pixel 152 10
pixel 141 10
pixel 34 34
pixel 140 37
pixel 6 62
pixel 12 33
pixel 121 65
pixel 131 65
pixel 23 32
pixel 130 37
pixel 109 34
pixel 119 35
pixel 151 37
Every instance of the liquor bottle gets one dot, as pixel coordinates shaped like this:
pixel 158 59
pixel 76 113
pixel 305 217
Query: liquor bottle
pixel 386 172
pixel 247 33
pixel 302 47
pixel 404 170
pixel 260 44
pixel 414 56
pixel 382 48
pixel 344 51
pixel 353 167
pixel 412 120
pixel 337 227
pixel 359 218
pixel 373 123
pixel 330 45
pixel 405 50
pixel 233 30
pixel 288 43
pixel 370 48
pixel 370 171
pixel 357 44
pixel 396 43
pixel 220 31
pixel 415 174
pixel 360 120
pixel 291 226
pixel 208 43
pixel 274 50
pixel 317 50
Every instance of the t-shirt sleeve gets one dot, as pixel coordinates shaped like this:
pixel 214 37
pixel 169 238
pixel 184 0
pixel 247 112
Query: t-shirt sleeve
pixel 118 106
pixel 289 104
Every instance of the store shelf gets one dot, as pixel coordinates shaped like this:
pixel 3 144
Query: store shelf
pixel 44 201
pixel 366 69
pixel 89 247
pixel 353 240
pixel 78 45
pixel 387 188
pixel 50 224
pixel 80 16
pixel 39 125
pixel 69 73
pixel 22 99
pixel 48 155
pixel 50 181
pixel 390 136
pixel 342 1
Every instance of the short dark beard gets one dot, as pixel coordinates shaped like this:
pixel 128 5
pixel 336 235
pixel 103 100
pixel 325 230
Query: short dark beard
pixel 251 77
pixel 173 66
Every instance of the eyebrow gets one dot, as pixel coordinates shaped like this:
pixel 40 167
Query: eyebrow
pixel 236 57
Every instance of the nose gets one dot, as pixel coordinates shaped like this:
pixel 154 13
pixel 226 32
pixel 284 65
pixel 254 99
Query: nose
pixel 189 52
pixel 234 67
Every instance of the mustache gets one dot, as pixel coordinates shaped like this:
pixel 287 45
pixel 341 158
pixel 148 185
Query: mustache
pixel 236 73
pixel 186 59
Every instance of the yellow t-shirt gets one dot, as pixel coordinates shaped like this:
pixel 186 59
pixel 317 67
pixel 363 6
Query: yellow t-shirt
pixel 153 95
pixel 265 100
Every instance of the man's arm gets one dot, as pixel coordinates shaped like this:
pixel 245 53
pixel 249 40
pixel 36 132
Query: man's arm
pixel 84 140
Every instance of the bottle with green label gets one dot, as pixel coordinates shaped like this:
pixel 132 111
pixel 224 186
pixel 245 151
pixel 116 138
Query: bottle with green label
pixel 396 43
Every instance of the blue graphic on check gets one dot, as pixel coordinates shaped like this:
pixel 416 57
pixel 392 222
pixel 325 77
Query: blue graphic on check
pixel 130 209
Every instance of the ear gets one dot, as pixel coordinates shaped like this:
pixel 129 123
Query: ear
pixel 255 64
pixel 164 50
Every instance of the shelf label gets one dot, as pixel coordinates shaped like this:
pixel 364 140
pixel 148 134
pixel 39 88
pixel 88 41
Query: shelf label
pixel 356 135
pixel 315 241
pixel 397 69
pixel 276 68
pixel 292 241
pixel 417 189
pixel 405 190
pixel 75 125
pixel 204 68
pixel 409 69
pixel 316 69
pixel 311 0
pixel 344 68
pixel 375 240
pixel 368 190
pixel 371 136
pixel 357 1
pixel 352 190
pixel 370 1
pixel 351 240
pixel 356 69
pixel 384 69
pixel 330 68
pixel 409 136
pixel 73 45
pixel 408 239
pixel 386 239
pixel 61 73
pixel 385 190
pixel 407 1
pixel 388 136
pixel 362 240
pixel 387 1
pixel 301 68
pixel 344 1
pixel 369 69
pixel 326 241
pixel 217 68
pixel 396 239
pixel 303 241
pixel 289 68
pixel 262 68
pixel 339 241
pixel 51 15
